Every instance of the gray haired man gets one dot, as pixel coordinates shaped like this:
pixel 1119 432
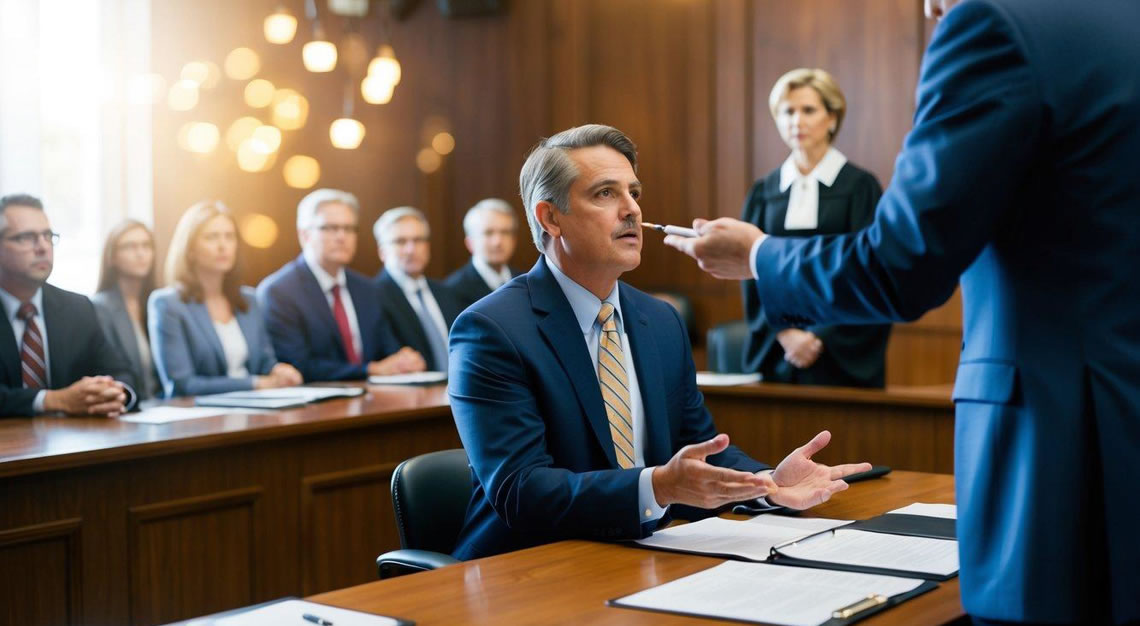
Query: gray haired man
pixel 491 229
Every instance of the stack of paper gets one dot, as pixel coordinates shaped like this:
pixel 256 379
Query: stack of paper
pixel 283 397
pixel 752 540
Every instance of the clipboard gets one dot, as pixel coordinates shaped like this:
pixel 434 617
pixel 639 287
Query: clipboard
pixel 780 558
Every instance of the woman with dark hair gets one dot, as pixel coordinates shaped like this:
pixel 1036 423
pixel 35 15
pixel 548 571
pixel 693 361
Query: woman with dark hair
pixel 208 335
pixel 126 279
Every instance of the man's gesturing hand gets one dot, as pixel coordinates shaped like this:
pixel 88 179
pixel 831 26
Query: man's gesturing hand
pixel 688 479
pixel 723 248
pixel 803 483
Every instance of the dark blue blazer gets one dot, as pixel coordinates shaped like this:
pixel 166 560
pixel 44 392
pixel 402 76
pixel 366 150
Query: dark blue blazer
pixel 1020 178
pixel 525 398
pixel 188 353
pixel 406 324
pixel 76 347
pixel 469 285
pixel 303 330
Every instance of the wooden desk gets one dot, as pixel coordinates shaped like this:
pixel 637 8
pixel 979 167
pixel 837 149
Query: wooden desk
pixel 110 522
pixel 910 428
pixel 569 582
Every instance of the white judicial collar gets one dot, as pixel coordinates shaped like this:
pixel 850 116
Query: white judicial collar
pixel 803 203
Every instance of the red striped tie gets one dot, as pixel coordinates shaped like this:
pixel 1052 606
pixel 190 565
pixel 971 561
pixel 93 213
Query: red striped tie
pixel 32 349
pixel 340 314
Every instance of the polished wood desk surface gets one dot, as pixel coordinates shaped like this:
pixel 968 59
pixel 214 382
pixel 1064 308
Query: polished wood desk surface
pixel 30 445
pixel 570 581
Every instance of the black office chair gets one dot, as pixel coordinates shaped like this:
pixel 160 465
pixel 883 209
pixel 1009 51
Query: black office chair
pixel 430 494
pixel 726 347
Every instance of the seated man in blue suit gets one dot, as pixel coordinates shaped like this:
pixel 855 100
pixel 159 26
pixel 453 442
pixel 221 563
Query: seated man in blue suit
pixel 1019 182
pixel 575 395
pixel 490 231
pixel 421 310
pixel 324 318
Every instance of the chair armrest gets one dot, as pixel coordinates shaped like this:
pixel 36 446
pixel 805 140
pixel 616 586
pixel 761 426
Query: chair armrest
pixel 400 562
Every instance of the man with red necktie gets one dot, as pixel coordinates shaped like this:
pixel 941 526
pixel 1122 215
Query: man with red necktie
pixel 56 360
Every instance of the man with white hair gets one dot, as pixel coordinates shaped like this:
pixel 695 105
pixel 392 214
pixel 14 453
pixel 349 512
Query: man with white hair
pixel 324 318
pixel 420 309
pixel 491 227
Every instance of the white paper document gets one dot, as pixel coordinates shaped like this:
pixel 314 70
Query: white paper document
pixel 752 539
pixel 279 398
pixel 870 549
pixel 944 511
pixel 290 612
pixel 167 414
pixel 762 592
pixel 717 379
pixel 415 378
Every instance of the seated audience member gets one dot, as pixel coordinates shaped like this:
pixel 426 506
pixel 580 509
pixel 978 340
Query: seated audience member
pixel 126 279
pixel 575 394
pixel 490 227
pixel 207 333
pixel 420 310
pixel 325 318
pixel 56 359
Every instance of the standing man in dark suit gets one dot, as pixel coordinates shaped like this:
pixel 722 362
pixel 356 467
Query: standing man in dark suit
pixel 323 318
pixel 56 358
pixel 575 395
pixel 491 229
pixel 1019 179
pixel 421 310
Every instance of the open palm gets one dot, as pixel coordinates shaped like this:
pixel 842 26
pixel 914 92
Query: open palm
pixel 803 483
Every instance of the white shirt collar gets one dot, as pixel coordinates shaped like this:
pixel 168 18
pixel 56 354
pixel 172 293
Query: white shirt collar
pixel 825 171
pixel 408 284
pixel 12 304
pixel 494 279
pixel 324 279
pixel 584 304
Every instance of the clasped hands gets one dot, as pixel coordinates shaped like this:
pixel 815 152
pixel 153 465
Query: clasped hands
pixel 797 482
pixel 91 395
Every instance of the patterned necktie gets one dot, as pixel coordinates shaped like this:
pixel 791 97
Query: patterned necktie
pixel 437 342
pixel 32 349
pixel 341 317
pixel 615 386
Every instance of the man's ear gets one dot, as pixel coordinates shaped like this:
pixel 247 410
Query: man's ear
pixel 469 245
pixel 547 215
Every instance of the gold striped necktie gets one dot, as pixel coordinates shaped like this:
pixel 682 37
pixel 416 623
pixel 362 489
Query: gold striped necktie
pixel 615 386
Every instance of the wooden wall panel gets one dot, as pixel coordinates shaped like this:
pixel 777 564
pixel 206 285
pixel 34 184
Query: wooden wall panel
pixel 193 554
pixel 688 81
pixel 42 574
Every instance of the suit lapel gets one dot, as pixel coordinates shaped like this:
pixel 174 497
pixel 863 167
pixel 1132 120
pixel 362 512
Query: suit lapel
pixel 562 333
pixel 650 380
pixel 58 344
pixel 249 330
pixel 125 330
pixel 405 316
pixel 11 350
pixel 314 294
pixel 200 317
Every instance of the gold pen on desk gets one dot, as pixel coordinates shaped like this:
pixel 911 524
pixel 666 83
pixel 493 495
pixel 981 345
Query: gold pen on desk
pixel 680 231
pixel 856 608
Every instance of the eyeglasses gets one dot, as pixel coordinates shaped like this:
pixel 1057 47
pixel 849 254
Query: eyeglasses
pixel 29 238
pixel 332 229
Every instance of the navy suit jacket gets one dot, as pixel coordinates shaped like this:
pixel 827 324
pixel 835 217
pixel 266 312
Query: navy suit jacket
pixel 469 285
pixel 302 328
pixel 1019 176
pixel 526 401
pixel 406 324
pixel 76 347
pixel 188 352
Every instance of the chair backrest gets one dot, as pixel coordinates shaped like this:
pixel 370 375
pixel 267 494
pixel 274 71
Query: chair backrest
pixel 726 347
pixel 430 494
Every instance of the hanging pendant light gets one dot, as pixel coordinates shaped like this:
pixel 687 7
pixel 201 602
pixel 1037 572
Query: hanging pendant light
pixel 346 133
pixel 319 55
pixel 280 26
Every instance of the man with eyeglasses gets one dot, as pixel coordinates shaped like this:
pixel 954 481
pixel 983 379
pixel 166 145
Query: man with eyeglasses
pixel 56 359
pixel 324 318
pixel 421 310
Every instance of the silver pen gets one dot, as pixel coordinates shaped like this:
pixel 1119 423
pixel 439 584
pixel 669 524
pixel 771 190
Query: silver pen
pixel 680 231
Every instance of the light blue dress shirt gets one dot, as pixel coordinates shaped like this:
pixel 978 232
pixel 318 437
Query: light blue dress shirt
pixel 586 307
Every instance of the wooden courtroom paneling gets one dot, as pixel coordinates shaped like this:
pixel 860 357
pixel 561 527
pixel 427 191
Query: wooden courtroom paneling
pixel 193 552
pixel 42 573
